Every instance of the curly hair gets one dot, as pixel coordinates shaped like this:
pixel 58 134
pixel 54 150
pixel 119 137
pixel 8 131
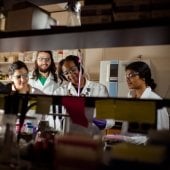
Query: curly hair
pixel 74 59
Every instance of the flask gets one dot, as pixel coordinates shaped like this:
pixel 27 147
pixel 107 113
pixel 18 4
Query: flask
pixel 74 8
pixel 2 22
pixel 2 16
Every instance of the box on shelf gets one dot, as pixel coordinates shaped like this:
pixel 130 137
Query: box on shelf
pixel 30 17
pixel 12 58
pixel 124 10
pixel 131 2
pixel 159 1
pixel 96 19
pixel 2 59
pixel 126 16
pixel 160 13
pixel 160 9
pixel 96 9
pixel 96 14
pixel 91 2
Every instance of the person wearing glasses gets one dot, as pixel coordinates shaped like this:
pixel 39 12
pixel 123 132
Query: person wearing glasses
pixel 18 75
pixel 75 83
pixel 142 85
pixel 44 78
pixel 70 70
pixel 44 75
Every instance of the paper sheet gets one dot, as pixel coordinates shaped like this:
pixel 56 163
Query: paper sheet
pixel 136 111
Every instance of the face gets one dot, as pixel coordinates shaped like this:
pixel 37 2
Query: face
pixel 43 61
pixel 133 80
pixel 71 72
pixel 20 78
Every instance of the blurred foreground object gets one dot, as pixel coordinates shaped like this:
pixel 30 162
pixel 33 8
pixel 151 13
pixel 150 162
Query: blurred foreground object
pixel 77 152
pixel 74 9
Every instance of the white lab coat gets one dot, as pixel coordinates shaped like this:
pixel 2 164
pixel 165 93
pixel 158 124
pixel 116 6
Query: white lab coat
pixel 35 91
pixel 91 89
pixel 48 88
pixel 162 114
pixel 162 119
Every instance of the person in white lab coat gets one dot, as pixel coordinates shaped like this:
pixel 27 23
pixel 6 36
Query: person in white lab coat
pixel 70 70
pixel 44 75
pixel 142 85
pixel 18 75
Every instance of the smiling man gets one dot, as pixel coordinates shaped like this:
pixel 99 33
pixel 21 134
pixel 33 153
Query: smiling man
pixel 44 75
pixel 44 78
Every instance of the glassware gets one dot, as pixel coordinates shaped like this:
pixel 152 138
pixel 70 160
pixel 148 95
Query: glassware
pixel 2 16
pixel 2 22
pixel 74 18
pixel 9 152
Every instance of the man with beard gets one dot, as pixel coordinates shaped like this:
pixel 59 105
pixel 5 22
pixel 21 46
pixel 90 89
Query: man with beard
pixel 44 78
pixel 44 75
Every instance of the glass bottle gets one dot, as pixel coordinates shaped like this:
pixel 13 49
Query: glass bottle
pixel 74 16
pixel 2 16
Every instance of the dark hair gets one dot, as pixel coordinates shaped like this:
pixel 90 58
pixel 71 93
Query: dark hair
pixel 16 66
pixel 74 59
pixel 52 67
pixel 144 72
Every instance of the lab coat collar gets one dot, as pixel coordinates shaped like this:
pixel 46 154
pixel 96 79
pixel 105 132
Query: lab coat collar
pixel 51 76
pixel 146 93
pixel 72 89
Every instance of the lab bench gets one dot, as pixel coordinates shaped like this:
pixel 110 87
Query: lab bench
pixel 49 149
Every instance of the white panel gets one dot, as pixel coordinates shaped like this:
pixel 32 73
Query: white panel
pixel 104 73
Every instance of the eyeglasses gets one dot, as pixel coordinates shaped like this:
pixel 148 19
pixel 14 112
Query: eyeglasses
pixel 73 69
pixel 43 59
pixel 131 75
pixel 24 76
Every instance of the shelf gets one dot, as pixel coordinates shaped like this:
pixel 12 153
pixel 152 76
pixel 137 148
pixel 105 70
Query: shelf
pixel 5 63
pixel 36 2
pixel 118 34
pixel 45 2
pixel 5 81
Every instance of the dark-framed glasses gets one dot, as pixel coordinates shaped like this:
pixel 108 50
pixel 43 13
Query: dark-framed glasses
pixel 43 59
pixel 73 69
pixel 131 75
pixel 24 76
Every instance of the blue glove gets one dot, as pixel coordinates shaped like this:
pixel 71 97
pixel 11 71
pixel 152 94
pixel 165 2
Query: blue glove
pixel 101 124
